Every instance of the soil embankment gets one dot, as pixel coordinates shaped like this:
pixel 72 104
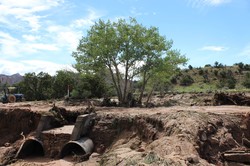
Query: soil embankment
pixel 190 135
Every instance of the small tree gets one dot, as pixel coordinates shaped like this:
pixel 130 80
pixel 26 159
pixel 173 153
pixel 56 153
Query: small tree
pixel 163 72
pixel 216 64
pixel 190 67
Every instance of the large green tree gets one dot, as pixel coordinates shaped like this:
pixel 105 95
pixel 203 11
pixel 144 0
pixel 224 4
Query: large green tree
pixel 63 80
pixel 89 86
pixel 37 87
pixel 128 50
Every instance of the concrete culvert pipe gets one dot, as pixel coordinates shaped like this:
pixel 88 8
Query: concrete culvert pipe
pixel 79 147
pixel 30 148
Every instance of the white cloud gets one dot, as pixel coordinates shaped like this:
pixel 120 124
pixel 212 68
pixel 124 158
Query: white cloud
pixel 33 34
pixel 65 37
pixel 69 39
pixel 31 38
pixel 5 37
pixel 54 38
pixel 26 66
pixel 30 3
pixel 25 11
pixel 8 45
pixel 86 21
pixel 41 46
pixel 68 36
pixel 200 3
pixel 214 48
pixel 13 47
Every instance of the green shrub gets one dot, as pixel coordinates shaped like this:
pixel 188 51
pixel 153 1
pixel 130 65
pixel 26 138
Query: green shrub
pixel 186 80
pixel 246 82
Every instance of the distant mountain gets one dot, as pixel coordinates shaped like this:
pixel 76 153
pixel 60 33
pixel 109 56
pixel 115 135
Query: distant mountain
pixel 10 80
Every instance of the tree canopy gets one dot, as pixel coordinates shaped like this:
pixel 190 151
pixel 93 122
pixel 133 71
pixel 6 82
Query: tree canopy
pixel 128 50
pixel 42 86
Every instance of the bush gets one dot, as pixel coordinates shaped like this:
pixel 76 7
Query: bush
pixel 247 67
pixel 173 80
pixel 246 82
pixel 231 82
pixel 223 74
pixel 208 65
pixel 186 80
pixel 216 73
pixel 227 80
pixel 241 65
pixel 201 72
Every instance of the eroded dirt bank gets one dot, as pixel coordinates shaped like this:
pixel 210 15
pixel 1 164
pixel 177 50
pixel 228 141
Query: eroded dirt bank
pixel 158 136
pixel 175 138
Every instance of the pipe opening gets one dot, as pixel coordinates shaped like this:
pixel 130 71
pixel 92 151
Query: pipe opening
pixel 30 148
pixel 80 147
pixel 72 149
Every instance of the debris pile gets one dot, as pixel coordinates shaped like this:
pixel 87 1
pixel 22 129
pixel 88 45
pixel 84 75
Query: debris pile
pixel 231 99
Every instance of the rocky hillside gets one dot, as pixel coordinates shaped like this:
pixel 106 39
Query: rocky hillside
pixel 10 80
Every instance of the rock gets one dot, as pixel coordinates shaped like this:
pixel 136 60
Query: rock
pixel 94 155
pixel 100 149
pixel 214 140
pixel 135 144
pixel 193 159
pixel 141 150
pixel 7 144
pixel 203 136
pixel 211 129
pixel 246 142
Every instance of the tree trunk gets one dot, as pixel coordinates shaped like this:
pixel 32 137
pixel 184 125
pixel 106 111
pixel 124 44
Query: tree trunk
pixel 144 82
pixel 115 83
pixel 125 84
pixel 118 83
pixel 150 94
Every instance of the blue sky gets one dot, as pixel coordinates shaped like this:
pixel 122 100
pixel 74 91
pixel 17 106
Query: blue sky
pixel 40 35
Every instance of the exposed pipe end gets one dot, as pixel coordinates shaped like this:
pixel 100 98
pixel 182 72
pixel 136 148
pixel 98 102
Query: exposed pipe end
pixel 31 147
pixel 79 147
